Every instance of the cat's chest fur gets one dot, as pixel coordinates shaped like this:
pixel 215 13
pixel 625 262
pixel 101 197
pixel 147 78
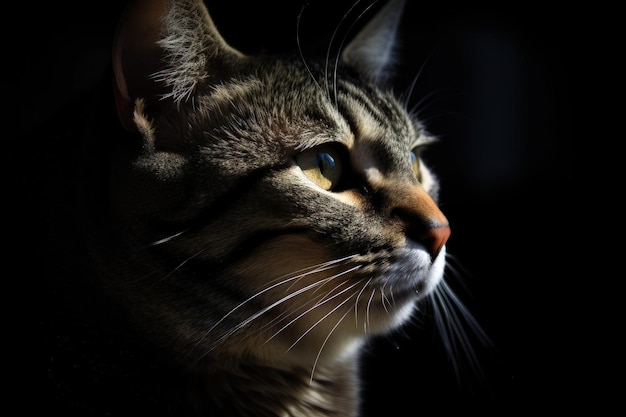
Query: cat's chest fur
pixel 251 222
pixel 247 389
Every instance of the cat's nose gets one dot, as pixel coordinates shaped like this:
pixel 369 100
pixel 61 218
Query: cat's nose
pixel 434 238
pixel 421 218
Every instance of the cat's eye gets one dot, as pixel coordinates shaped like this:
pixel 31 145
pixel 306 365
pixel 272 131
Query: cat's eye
pixel 415 163
pixel 322 164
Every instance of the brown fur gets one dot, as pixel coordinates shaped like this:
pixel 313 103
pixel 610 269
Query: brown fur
pixel 230 264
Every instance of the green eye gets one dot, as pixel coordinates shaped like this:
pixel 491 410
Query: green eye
pixel 415 162
pixel 322 165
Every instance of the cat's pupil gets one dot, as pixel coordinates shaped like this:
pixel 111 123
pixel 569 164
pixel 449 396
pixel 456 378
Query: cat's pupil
pixel 322 165
pixel 326 163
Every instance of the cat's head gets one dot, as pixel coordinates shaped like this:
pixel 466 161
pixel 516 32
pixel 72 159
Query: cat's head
pixel 265 205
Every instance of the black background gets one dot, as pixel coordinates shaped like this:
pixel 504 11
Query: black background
pixel 503 87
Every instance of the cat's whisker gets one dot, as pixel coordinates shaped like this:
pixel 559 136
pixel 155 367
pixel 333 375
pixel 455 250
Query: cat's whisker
pixel 452 318
pixel 316 269
pixel 323 299
pixel 280 317
pixel 330 48
pixel 337 276
pixel 321 268
pixel 465 314
pixel 257 314
pixel 456 269
pixel 319 353
pixel 180 265
pixel 271 306
pixel 393 299
pixel 299 46
pixel 277 282
pixel 385 301
pixel 417 108
pixel 327 266
pixel 408 93
pixel 165 239
pixel 356 302
pixel 367 311
pixel 322 319
pixel 406 96
pixel 342 43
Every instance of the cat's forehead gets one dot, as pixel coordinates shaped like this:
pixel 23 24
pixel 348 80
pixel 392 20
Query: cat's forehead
pixel 309 97
pixel 388 122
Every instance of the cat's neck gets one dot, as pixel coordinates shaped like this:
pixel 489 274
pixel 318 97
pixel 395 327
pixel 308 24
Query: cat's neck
pixel 247 389
pixel 224 385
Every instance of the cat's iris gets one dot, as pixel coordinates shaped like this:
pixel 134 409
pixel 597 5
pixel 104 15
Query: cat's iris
pixel 322 165
pixel 415 163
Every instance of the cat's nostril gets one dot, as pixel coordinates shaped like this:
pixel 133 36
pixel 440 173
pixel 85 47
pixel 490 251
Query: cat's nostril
pixel 433 231
pixel 434 238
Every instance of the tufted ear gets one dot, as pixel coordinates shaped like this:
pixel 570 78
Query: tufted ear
pixel 373 49
pixel 166 49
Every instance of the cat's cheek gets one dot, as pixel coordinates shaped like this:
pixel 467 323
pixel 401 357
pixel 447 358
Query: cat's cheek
pixel 351 198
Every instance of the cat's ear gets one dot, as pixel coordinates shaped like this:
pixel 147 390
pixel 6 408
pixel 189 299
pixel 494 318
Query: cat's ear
pixel 166 49
pixel 373 49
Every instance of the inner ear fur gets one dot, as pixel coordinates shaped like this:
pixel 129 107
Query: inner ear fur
pixel 166 49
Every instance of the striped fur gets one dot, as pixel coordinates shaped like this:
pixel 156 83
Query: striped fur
pixel 230 258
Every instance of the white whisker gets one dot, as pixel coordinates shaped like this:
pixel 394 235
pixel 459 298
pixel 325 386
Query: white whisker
pixel 343 41
pixel 367 311
pixel 342 283
pixel 180 265
pixel 384 298
pixel 454 266
pixel 356 302
pixel 330 47
pixel 318 268
pixel 451 318
pixel 311 309
pixel 264 310
pixel 319 353
pixel 276 283
pixel 166 239
pixel 280 317
pixel 407 95
pixel 299 45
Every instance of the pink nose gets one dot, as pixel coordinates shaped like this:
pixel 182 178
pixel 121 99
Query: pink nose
pixel 434 238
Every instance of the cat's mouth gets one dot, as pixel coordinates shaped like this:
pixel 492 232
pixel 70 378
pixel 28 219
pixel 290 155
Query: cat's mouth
pixel 405 276
pixel 411 270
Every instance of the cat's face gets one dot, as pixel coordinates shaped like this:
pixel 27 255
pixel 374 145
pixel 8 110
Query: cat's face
pixel 266 209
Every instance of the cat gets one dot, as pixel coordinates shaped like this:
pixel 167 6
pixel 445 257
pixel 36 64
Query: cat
pixel 245 227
